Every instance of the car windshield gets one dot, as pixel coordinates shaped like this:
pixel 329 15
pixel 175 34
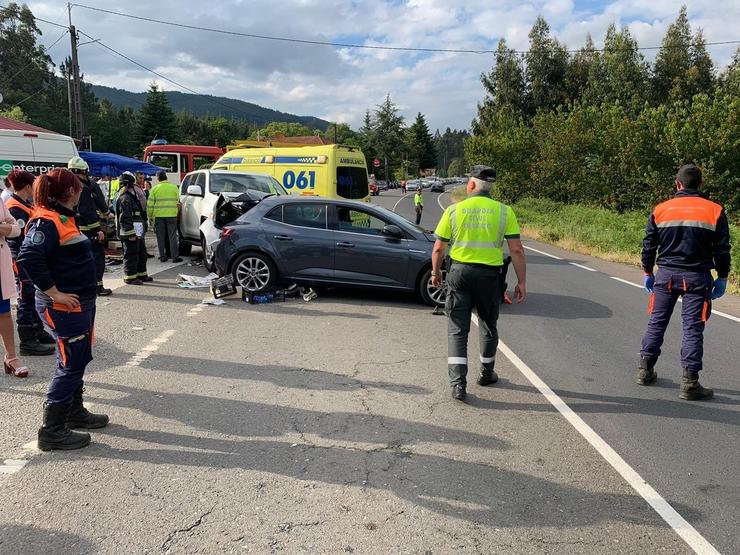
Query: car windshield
pixel 241 183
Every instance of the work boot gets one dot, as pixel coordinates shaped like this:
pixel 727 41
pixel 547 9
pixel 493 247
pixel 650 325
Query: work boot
pixel 487 377
pixel 146 279
pixel 44 338
pixel 134 282
pixel 458 392
pixel 30 344
pixel 80 417
pixel 55 434
pixel 647 375
pixel 692 390
pixel 103 291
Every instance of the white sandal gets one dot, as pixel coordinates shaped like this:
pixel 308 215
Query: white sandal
pixel 20 372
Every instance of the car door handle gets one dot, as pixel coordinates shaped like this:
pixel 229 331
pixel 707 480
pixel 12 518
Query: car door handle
pixel 345 244
pixel 283 238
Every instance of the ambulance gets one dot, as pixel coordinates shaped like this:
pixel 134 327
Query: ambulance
pixel 334 171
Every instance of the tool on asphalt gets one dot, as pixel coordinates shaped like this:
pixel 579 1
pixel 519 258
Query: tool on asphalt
pixel 223 287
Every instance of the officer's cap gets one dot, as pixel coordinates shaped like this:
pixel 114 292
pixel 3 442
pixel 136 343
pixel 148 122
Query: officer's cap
pixel 484 173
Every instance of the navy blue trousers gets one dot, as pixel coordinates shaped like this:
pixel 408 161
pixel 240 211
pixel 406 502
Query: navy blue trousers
pixel 695 289
pixel 74 331
pixel 27 316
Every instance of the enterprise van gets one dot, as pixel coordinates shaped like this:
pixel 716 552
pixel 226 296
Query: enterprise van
pixel 333 171
pixel 29 148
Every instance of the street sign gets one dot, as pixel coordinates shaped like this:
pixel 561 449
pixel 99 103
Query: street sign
pixel 376 163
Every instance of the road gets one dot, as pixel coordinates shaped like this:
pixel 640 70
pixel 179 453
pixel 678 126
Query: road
pixel 328 427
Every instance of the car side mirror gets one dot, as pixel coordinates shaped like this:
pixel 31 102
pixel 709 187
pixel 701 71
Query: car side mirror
pixel 393 231
pixel 195 190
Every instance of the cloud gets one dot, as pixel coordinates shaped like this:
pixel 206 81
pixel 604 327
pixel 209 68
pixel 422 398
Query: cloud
pixel 340 83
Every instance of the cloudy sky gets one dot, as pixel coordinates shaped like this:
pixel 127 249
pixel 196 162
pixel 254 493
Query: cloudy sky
pixel 341 83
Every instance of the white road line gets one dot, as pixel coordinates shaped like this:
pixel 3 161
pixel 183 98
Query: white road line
pixel 688 533
pixel 543 253
pixel 399 201
pixel 11 466
pixel 439 199
pixel 620 280
pixel 582 267
pixel 149 349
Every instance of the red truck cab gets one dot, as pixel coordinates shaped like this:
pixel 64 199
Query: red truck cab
pixel 178 160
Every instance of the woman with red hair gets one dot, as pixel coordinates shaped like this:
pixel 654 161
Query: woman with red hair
pixel 58 259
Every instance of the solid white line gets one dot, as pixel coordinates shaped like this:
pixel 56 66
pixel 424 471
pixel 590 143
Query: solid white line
pixel 688 533
pixel 439 199
pixel 399 200
pixel 620 280
pixel 582 267
pixel 543 253
pixel 725 315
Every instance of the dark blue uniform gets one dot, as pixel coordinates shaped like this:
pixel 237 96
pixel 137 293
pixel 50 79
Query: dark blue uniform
pixel 56 253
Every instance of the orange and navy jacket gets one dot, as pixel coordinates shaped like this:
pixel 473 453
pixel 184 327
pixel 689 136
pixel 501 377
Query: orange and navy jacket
pixel 21 211
pixel 689 233
pixel 55 252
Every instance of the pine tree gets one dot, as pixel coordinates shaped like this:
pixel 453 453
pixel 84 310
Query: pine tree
pixel 422 153
pixel 673 61
pixel 504 84
pixel 547 62
pixel 579 71
pixel 700 76
pixel 388 135
pixel 624 72
pixel 156 118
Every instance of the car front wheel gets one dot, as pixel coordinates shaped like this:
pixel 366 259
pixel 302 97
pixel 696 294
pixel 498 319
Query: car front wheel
pixel 431 295
pixel 254 272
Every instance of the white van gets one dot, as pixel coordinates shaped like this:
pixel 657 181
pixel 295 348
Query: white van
pixel 32 150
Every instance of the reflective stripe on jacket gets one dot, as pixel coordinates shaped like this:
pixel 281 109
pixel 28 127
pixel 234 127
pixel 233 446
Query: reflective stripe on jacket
pixel 163 200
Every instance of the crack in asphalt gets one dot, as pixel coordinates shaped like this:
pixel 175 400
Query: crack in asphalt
pixel 171 537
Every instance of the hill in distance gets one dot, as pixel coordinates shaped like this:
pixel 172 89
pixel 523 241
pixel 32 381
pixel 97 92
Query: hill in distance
pixel 209 105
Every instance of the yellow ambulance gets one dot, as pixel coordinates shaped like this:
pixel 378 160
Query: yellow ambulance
pixel 334 171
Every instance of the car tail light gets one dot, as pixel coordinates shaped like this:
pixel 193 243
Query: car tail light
pixel 226 232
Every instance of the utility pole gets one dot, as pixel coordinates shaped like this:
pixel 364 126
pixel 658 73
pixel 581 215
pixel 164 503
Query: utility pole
pixel 77 122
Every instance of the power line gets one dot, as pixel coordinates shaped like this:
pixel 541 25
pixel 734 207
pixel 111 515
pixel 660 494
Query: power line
pixel 54 23
pixel 33 60
pixel 349 45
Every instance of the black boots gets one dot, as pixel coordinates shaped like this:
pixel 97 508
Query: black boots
pixel 55 434
pixel 458 392
pixel 80 417
pixel 692 390
pixel 30 344
pixel 103 292
pixel 487 378
pixel 647 374
pixel 44 338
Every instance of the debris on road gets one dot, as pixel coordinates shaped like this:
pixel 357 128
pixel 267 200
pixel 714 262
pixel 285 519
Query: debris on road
pixel 195 282
pixel 213 302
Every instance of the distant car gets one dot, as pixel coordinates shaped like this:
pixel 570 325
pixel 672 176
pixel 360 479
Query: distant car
pixel 309 241
pixel 374 189
pixel 413 185
pixel 425 184
pixel 382 185
pixel 437 187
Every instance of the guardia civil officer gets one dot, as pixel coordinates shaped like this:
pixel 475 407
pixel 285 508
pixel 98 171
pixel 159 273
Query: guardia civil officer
pixel 131 225
pixel 91 209
pixel 690 236
pixel 58 259
pixel 34 340
pixel 476 228
pixel 418 204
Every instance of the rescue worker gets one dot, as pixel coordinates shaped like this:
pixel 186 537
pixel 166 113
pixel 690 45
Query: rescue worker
pixel 690 236
pixel 477 228
pixel 131 225
pixel 418 204
pixel 89 212
pixel 58 259
pixel 34 340
pixel 164 200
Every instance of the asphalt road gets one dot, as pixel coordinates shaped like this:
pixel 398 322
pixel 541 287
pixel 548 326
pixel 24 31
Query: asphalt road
pixel 328 427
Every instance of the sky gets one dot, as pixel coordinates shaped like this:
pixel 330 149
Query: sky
pixel 340 84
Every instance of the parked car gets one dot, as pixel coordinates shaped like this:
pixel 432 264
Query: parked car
pixel 437 187
pixel 382 185
pixel 315 241
pixel 200 190
pixel 414 185
pixel 374 189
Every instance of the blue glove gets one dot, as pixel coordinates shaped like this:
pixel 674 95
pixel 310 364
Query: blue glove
pixel 649 282
pixel 720 286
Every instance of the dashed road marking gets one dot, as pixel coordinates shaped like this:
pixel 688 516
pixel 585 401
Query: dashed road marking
pixel 620 280
pixel 543 253
pixel 582 267
pixel 150 349
pixel 688 533
pixel 197 309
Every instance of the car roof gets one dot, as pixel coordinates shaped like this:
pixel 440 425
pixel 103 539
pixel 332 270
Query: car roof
pixel 228 172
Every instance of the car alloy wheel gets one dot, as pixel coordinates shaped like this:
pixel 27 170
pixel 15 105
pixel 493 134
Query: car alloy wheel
pixel 253 274
pixel 438 295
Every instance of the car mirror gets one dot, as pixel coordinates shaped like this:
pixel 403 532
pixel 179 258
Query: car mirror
pixel 195 190
pixel 393 231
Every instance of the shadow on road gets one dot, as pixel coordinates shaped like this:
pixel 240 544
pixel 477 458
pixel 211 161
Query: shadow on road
pixel 558 307
pixel 30 540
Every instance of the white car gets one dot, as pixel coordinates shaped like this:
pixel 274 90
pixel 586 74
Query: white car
pixel 199 192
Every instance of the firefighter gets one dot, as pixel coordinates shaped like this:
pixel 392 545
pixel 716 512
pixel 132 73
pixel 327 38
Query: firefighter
pixel 58 259
pixel 89 212
pixel 476 228
pixel 687 237
pixel 34 340
pixel 131 225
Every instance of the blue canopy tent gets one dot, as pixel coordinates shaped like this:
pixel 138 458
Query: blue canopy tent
pixel 105 163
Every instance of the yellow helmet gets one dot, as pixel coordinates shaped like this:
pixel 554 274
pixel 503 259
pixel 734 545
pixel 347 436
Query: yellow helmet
pixel 78 163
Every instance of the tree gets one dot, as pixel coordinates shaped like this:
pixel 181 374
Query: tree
pixel 547 62
pixel 456 168
pixel 504 85
pixel 341 133
pixel 580 68
pixel 287 129
pixel 156 118
pixel 420 147
pixel 700 76
pixel 15 113
pixel 729 80
pixel 388 134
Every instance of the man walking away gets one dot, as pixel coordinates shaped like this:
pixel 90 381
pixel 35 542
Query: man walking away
pixel 690 236
pixel 476 227
pixel 418 204
pixel 164 199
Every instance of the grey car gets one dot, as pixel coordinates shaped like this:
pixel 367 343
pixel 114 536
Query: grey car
pixel 318 241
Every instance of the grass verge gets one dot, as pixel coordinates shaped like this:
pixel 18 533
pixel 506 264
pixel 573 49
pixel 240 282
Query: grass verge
pixel 598 232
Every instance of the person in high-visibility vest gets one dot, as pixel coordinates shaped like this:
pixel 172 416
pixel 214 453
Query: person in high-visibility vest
pixel 418 204
pixel 476 228
pixel 58 259
pixel 164 202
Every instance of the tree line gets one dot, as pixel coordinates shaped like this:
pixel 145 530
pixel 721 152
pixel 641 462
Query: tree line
pixel 606 128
